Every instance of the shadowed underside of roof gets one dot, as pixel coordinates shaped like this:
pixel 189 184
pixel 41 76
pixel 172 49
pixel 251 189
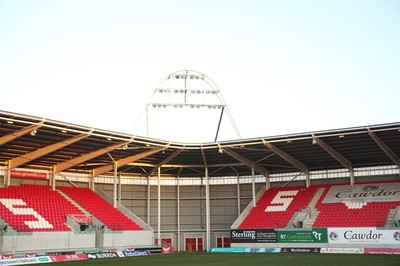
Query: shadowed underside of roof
pixel 37 143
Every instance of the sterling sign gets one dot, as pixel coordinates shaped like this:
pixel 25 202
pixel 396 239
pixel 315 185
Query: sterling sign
pixel 378 192
pixel 253 236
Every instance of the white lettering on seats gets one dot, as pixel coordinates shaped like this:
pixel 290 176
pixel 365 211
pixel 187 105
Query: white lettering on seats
pixel 12 204
pixel 285 202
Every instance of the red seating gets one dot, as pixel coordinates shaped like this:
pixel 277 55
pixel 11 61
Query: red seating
pixel 35 208
pixel 367 214
pixel 277 206
pixel 100 208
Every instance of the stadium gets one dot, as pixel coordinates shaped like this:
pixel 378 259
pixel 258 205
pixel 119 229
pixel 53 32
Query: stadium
pixel 71 189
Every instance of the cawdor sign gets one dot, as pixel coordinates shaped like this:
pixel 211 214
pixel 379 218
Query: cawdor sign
pixel 377 192
pixel 363 235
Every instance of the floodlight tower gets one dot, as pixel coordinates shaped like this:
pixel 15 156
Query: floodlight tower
pixel 188 92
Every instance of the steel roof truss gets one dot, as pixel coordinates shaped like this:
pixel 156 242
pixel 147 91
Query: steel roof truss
pixel 78 160
pixel 287 157
pixel 332 152
pixel 19 133
pixel 104 169
pixel 166 160
pixel 389 152
pixel 247 162
pixel 45 150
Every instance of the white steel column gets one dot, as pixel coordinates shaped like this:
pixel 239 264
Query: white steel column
pixel 352 177
pixel 7 173
pixel 148 199
pixel 179 215
pixel 267 182
pixel 253 186
pixel 308 182
pixel 115 185
pixel 53 178
pixel 208 210
pixel 159 207
pixel 92 181
pixel 119 189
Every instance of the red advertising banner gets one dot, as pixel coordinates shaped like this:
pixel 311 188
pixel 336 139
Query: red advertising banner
pixel 72 257
pixel 28 174
pixel 31 255
pixel 393 251
pixel 7 256
pixel 82 219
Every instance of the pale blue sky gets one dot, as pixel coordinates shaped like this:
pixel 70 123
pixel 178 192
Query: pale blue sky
pixel 282 66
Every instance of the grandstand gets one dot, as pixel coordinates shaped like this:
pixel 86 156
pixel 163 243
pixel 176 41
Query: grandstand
pixel 136 191
pixel 68 187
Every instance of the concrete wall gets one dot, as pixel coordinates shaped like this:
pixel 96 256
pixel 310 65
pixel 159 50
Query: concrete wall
pixel 36 241
pixel 107 238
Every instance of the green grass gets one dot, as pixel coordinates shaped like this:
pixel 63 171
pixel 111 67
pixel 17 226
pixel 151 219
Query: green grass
pixel 247 259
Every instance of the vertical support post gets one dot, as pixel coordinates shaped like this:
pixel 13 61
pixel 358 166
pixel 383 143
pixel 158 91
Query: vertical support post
pixel 115 185
pixel 267 182
pixel 308 182
pixel 203 212
pixel 179 214
pixel 253 186
pixel 148 199
pixel 238 194
pixel 7 173
pixel 352 177
pixel 119 189
pixel 53 178
pixel 208 210
pixel 159 207
pixel 92 181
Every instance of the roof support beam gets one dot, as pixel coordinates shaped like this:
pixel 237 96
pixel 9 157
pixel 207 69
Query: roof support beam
pixel 337 156
pixel 45 150
pixel 78 160
pixel 332 152
pixel 389 153
pixel 166 160
pixel 290 159
pixel 19 133
pixel 247 162
pixel 104 169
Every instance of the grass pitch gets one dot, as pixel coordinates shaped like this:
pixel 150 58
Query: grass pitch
pixel 247 259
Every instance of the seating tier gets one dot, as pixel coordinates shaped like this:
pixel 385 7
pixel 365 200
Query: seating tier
pixel 35 208
pixel 276 207
pixel 353 214
pixel 100 208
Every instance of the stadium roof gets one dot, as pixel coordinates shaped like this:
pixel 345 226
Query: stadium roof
pixel 37 143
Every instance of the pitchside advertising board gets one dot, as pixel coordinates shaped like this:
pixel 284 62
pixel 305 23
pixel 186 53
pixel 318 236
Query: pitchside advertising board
pixel 253 236
pixel 246 250
pixel 317 235
pixel 22 261
pixel 363 235
pixel 102 255
pixel 301 250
